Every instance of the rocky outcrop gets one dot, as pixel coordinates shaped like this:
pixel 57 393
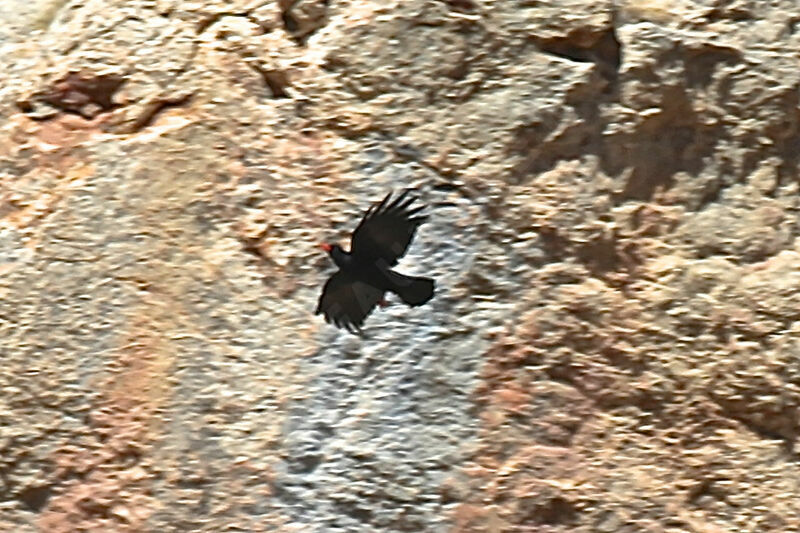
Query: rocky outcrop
pixel 613 201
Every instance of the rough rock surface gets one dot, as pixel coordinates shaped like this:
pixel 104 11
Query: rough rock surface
pixel 615 233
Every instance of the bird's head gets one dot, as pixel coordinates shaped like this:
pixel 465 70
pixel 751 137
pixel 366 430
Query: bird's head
pixel 334 250
pixel 339 256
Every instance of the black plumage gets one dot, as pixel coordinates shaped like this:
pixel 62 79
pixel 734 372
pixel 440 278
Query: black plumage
pixel 365 272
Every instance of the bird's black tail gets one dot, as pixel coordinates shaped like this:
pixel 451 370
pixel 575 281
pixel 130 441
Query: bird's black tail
pixel 412 290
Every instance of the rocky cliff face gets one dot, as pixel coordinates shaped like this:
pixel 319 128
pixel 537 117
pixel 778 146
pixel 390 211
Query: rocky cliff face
pixel 614 228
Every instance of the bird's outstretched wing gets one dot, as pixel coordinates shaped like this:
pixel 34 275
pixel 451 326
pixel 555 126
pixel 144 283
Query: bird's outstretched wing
pixel 346 301
pixel 386 230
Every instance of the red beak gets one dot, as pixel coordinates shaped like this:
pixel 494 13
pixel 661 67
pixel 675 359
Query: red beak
pixel 325 246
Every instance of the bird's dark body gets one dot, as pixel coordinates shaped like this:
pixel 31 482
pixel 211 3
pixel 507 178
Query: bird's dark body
pixel 365 273
pixel 366 270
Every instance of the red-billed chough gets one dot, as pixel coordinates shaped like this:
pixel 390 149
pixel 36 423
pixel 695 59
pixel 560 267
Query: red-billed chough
pixel 365 273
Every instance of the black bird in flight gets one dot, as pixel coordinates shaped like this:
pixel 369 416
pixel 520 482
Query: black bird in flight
pixel 365 273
